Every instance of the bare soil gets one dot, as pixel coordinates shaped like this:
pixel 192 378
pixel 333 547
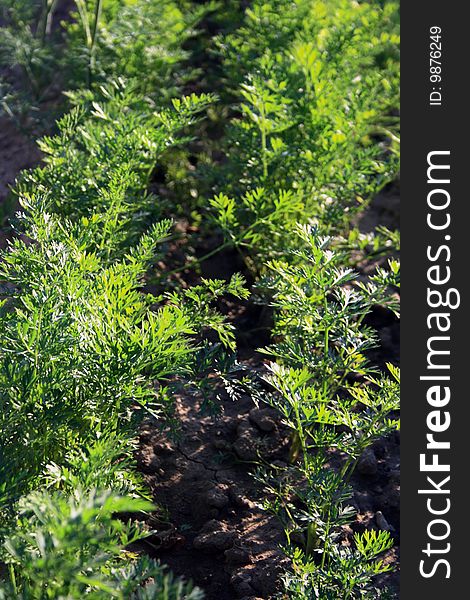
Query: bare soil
pixel 217 535
pixel 17 152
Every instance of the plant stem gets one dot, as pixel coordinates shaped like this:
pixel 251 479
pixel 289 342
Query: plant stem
pixel 200 259
pixel 326 344
pixel 13 577
pixel 325 546
pixel 42 24
pixel 94 32
pixel 45 20
pixel 232 242
pixel 82 11
pixel 264 148
pixel 312 539
pixel 49 16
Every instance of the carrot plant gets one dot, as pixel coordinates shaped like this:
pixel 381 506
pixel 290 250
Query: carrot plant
pixel 140 41
pixel 332 400
pixel 99 165
pixel 315 132
pixel 72 547
pixel 82 346
pixel 320 307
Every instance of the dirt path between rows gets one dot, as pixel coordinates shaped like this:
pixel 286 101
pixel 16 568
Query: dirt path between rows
pixel 218 535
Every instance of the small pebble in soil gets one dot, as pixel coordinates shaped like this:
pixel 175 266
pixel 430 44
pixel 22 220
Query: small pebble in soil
pixel 148 462
pixel 217 498
pixel 162 447
pixel 382 522
pixel 241 583
pixel 367 464
pixel 241 500
pixel 263 419
pixel 221 444
pixel 238 556
pixel 214 537
pixel 245 449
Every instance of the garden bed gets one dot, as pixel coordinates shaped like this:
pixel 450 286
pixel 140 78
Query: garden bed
pixel 200 335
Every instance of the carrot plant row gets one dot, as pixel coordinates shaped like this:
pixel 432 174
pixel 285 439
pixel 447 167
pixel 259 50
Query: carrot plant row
pixel 314 137
pixel 311 87
pixel 45 50
pixel 85 353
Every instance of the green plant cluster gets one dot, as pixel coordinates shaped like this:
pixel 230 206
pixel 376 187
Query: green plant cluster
pixel 314 134
pixel 87 351
pixel 335 403
pixel 45 51
pixel 86 354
